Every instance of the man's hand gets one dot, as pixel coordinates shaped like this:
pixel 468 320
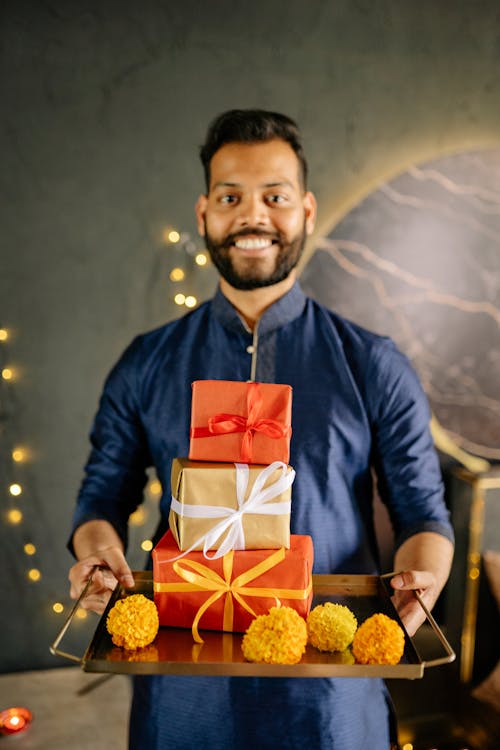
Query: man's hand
pixel 97 543
pixel 408 608
pixel 103 581
pixel 425 560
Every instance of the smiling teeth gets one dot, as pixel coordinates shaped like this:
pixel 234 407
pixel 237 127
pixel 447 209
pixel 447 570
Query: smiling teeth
pixel 253 244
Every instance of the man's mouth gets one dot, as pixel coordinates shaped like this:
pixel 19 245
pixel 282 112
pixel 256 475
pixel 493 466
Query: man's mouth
pixel 253 243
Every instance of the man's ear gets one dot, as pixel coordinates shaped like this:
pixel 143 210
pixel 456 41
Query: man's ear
pixel 310 209
pixel 200 210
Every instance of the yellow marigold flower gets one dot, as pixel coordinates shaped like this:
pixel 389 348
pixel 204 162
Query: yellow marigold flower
pixel 133 622
pixel 379 640
pixel 279 637
pixel 331 627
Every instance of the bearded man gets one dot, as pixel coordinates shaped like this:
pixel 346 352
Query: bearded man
pixel 357 406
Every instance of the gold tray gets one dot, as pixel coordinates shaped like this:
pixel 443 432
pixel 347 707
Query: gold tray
pixel 174 651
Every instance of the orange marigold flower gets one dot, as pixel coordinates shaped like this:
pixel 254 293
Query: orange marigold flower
pixel 379 640
pixel 133 622
pixel 331 627
pixel 279 637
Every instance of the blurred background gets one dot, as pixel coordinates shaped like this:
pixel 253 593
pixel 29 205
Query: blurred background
pixel 104 106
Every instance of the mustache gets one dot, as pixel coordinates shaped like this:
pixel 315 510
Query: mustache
pixel 231 238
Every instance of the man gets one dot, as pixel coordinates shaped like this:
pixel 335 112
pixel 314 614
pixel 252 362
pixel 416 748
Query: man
pixel 357 405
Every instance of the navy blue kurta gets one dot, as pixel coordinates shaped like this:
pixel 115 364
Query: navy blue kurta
pixel 357 405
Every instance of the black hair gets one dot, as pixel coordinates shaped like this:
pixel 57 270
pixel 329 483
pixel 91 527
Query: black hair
pixel 251 126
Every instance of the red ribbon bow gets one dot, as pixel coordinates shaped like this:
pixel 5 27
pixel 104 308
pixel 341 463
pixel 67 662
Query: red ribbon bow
pixel 224 424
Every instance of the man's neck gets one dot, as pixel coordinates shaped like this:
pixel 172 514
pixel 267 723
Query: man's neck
pixel 253 303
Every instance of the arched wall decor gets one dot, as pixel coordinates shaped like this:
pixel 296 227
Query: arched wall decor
pixel 418 259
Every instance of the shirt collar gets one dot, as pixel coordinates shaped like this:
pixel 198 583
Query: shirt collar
pixel 283 311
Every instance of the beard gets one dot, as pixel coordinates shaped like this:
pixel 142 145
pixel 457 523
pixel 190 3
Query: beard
pixel 247 273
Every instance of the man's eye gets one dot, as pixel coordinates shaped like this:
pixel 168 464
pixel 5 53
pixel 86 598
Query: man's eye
pixel 228 199
pixel 276 199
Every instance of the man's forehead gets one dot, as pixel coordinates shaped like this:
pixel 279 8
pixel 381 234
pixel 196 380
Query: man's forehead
pixel 268 164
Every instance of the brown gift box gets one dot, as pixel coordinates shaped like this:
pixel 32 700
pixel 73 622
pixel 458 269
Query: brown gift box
pixel 218 506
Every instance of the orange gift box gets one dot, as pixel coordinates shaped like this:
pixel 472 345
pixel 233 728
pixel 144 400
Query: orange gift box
pixel 227 593
pixel 237 421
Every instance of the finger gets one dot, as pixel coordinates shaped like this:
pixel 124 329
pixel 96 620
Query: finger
pixel 413 579
pixel 115 560
pixel 96 603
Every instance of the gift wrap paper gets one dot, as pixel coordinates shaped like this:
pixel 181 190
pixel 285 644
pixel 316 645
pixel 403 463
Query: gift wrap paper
pixel 218 491
pixel 238 421
pixel 226 593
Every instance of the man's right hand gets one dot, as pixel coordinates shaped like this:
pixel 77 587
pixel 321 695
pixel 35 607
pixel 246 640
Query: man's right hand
pixel 96 543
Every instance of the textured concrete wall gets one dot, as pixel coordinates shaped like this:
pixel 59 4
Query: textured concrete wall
pixel 103 107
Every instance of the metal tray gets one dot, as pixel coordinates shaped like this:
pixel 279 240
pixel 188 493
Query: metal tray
pixel 174 651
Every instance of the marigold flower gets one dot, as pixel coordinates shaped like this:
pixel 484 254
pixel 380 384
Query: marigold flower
pixel 279 637
pixel 331 627
pixel 379 640
pixel 133 622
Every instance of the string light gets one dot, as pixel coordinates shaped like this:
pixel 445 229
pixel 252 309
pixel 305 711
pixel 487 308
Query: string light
pixel 20 454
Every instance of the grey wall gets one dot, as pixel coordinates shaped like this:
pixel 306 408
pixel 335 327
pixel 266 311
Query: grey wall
pixel 103 108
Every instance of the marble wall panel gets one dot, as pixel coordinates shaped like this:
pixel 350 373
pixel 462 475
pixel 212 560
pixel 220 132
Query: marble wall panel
pixel 419 260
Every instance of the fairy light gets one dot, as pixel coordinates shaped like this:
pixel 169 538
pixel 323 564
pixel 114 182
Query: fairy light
pixel 179 299
pixel 138 517
pixel 190 301
pixel 177 274
pixel 81 613
pixel 155 487
pixel 34 574
pixel 147 545
pixel 173 236
pixel 4 334
pixel 14 516
pixel 7 373
pixel 15 489
pixel 29 549
pixel 19 455
pixel 201 259
pixel 58 608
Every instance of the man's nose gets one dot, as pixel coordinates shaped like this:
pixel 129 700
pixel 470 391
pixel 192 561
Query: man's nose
pixel 253 211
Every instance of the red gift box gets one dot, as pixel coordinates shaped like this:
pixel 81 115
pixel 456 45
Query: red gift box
pixel 227 593
pixel 237 421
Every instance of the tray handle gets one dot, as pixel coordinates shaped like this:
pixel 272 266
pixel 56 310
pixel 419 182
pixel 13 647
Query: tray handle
pixel 450 654
pixel 54 646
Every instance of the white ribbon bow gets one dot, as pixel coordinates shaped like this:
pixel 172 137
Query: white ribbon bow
pixel 257 502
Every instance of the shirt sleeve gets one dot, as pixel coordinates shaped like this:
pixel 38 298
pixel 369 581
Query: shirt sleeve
pixel 115 473
pixel 404 457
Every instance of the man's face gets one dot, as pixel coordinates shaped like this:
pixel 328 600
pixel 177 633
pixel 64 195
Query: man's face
pixel 256 216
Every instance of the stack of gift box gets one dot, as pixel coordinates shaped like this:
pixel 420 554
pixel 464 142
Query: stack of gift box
pixel 229 555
